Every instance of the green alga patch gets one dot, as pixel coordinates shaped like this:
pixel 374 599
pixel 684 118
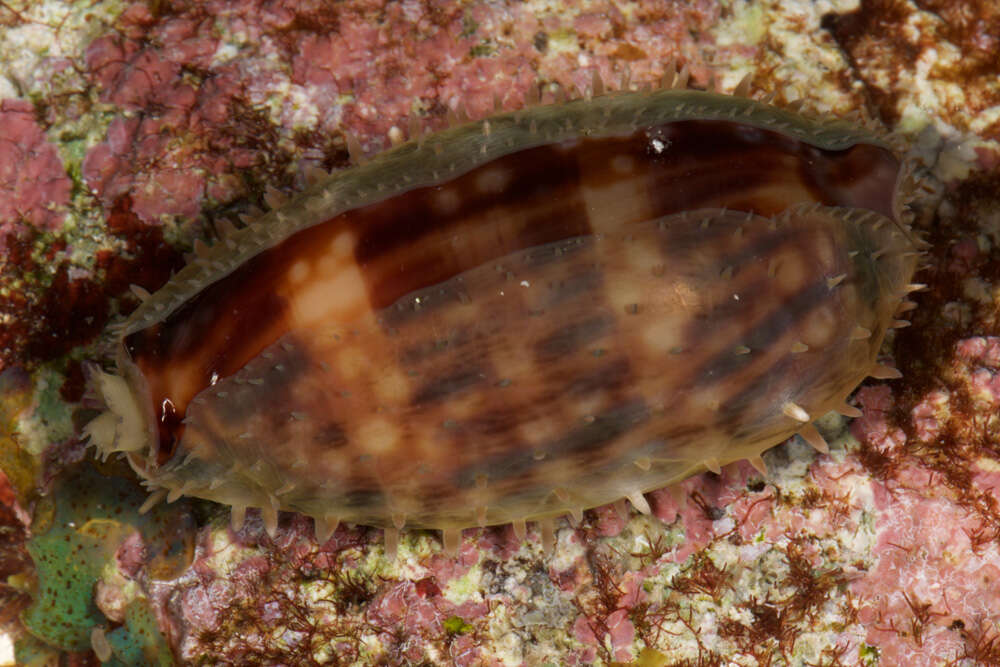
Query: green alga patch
pixel 469 26
pixel 483 50
pixel 92 513
pixel 456 625
pixel 138 641
pixel 68 563
pixel 869 654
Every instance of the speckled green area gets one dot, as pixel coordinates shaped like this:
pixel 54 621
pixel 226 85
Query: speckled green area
pixel 92 514
pixel 68 563
pixel 139 642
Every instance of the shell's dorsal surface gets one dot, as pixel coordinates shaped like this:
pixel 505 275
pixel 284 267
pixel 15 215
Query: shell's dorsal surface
pixel 522 317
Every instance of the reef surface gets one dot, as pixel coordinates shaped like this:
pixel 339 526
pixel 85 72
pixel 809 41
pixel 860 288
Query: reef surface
pixel 129 130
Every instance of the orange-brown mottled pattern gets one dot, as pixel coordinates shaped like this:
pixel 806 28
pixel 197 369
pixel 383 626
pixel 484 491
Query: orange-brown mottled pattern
pixel 560 367
pixel 552 327
pixel 525 199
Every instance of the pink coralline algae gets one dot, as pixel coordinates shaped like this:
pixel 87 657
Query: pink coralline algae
pixel 919 536
pixel 984 353
pixel 176 191
pixel 874 425
pixel 34 187
pixel 616 627
pixel 160 159
pixel 334 599
pixel 196 131
pixel 320 70
pixel 931 447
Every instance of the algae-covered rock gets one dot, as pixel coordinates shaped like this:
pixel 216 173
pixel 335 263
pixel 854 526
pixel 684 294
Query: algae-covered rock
pixel 88 535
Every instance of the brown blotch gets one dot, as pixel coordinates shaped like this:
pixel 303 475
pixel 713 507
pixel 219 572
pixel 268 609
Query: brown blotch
pixel 583 282
pixel 331 435
pixel 448 385
pixel 611 377
pixel 572 338
pixel 760 337
pixel 426 350
pixel 543 183
pixel 603 428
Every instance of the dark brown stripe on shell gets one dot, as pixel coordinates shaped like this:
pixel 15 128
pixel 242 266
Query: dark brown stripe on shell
pixel 572 338
pixel 583 281
pixel 602 429
pixel 726 164
pixel 613 377
pixel 425 350
pixel 760 336
pixel 454 382
pixel 586 439
pixel 331 435
pixel 543 178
